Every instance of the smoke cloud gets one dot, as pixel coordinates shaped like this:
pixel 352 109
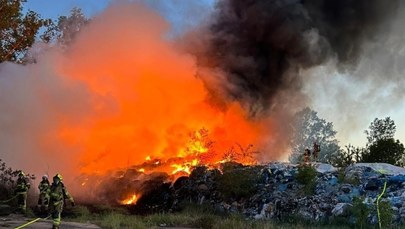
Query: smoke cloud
pixel 258 48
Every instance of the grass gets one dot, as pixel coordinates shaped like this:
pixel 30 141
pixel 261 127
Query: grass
pixel 192 216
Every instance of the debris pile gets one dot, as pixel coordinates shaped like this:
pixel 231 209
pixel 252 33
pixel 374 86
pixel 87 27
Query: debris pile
pixel 272 191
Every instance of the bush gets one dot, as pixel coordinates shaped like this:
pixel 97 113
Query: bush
pixel 386 151
pixel 386 214
pixel 360 212
pixel 238 182
pixel 306 175
pixel 8 178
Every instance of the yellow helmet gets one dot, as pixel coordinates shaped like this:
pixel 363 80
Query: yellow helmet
pixel 58 176
pixel 21 173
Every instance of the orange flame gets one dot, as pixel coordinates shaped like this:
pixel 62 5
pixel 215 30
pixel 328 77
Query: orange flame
pixel 143 102
pixel 130 200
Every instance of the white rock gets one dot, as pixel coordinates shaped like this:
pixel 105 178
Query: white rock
pixel 340 209
pixel 324 168
pixel 383 168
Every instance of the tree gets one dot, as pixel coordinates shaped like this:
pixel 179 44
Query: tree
pixel 382 147
pixel 69 26
pixel 348 156
pixel 18 31
pixel 385 151
pixel 309 128
pixel 380 129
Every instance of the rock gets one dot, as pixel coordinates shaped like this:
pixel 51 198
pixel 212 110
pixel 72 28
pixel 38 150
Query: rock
pixel 383 168
pixel 5 209
pixel 333 181
pixel 346 188
pixel 395 201
pixel 341 209
pixel 203 188
pixel 324 168
pixel 398 180
pixel 372 185
pixel 344 198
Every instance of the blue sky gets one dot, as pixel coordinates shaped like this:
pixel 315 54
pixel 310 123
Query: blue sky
pixel 177 12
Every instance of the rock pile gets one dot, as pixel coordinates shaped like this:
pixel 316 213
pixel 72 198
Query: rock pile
pixel 272 191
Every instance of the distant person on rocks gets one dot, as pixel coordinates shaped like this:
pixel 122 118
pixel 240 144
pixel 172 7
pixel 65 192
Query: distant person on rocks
pixel 21 191
pixel 44 189
pixel 58 194
pixel 307 155
pixel 315 152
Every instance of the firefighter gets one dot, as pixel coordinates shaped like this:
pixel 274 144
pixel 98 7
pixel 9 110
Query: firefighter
pixel 58 194
pixel 21 191
pixel 317 149
pixel 44 189
pixel 307 155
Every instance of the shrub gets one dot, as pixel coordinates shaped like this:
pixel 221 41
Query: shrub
pixel 306 175
pixel 8 177
pixel 238 182
pixel 360 212
pixel 386 214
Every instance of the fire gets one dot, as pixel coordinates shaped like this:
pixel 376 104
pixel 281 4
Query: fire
pixel 143 106
pixel 185 167
pixel 131 200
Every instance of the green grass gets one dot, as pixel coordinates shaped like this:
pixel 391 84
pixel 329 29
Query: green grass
pixel 192 216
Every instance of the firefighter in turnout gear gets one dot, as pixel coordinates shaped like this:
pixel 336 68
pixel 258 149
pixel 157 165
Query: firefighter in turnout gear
pixel 21 191
pixel 307 155
pixel 317 149
pixel 44 189
pixel 58 194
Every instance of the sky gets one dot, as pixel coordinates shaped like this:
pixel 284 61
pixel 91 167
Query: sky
pixel 178 13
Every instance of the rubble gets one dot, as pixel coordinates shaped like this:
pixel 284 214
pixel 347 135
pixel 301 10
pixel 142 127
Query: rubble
pixel 277 194
pixel 269 191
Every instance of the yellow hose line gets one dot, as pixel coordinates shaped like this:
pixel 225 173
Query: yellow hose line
pixel 31 222
pixel 5 201
pixel 378 200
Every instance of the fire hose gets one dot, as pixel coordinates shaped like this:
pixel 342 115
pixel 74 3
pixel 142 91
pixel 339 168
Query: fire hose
pixel 31 222
pixel 5 201
pixel 378 200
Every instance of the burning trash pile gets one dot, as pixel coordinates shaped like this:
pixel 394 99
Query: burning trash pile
pixel 271 191
pixel 139 182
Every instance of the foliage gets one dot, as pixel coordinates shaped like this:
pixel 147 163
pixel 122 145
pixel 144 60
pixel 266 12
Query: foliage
pixel 242 154
pixel 348 156
pixel 69 26
pixel 18 31
pixel 237 182
pixel 386 214
pixel 306 175
pixel 385 150
pixel 309 128
pixel 197 219
pixel 360 212
pixel 380 129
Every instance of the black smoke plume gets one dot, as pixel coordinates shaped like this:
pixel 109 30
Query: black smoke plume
pixel 260 46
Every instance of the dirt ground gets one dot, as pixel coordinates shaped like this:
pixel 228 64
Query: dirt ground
pixel 13 221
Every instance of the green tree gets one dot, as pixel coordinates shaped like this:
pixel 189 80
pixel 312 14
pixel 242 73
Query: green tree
pixel 309 128
pixel 348 156
pixel 380 129
pixel 382 147
pixel 385 151
pixel 18 31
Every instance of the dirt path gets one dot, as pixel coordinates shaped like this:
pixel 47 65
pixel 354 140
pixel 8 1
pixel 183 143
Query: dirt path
pixel 12 221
